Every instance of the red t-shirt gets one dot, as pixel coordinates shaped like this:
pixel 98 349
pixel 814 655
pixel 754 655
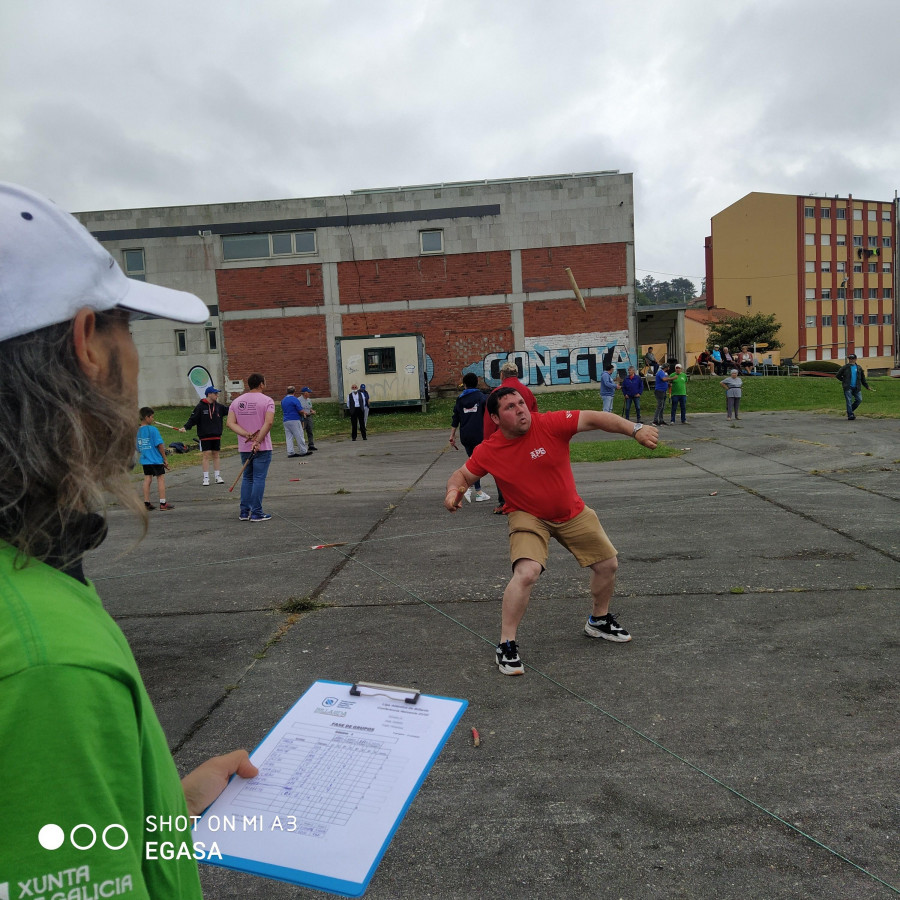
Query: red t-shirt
pixel 534 471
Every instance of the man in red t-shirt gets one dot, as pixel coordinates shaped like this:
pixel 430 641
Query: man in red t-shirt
pixel 528 456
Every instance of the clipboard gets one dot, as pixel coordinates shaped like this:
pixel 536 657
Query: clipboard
pixel 337 774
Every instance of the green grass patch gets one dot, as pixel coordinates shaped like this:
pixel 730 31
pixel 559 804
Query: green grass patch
pixel 761 394
pixel 612 451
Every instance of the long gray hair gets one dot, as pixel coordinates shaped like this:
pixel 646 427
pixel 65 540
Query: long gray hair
pixel 64 442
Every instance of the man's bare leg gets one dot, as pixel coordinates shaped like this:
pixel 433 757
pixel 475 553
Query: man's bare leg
pixel 516 596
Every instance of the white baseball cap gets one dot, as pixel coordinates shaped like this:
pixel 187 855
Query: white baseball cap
pixel 51 266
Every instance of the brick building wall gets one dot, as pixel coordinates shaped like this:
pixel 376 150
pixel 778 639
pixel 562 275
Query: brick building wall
pixel 498 287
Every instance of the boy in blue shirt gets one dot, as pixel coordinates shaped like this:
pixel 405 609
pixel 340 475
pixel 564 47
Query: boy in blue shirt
pixel 153 458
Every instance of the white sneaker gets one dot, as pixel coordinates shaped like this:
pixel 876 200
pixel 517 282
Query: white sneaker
pixel 481 496
pixel 220 479
pixel 206 481
pixel 468 495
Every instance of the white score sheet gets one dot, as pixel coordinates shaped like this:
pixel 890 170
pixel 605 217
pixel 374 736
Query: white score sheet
pixel 336 776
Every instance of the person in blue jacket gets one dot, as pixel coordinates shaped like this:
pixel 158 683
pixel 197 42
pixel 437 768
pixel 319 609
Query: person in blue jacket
pixel 468 417
pixel 632 388
pixel 852 379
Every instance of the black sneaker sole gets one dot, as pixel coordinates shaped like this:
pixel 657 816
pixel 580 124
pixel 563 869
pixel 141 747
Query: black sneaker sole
pixel 597 633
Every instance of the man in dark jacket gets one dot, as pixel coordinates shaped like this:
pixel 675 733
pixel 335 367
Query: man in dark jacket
pixel 468 417
pixel 209 416
pixel 851 377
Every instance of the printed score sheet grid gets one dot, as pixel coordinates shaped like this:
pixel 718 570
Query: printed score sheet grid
pixel 336 776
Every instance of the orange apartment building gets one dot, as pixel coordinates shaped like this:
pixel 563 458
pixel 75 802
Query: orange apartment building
pixel 825 266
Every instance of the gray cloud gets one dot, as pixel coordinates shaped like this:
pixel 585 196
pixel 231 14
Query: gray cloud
pixel 112 105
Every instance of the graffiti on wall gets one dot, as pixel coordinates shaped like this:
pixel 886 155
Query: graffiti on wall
pixel 553 360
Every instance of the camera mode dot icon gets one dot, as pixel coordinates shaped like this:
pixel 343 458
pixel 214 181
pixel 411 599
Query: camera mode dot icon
pixel 51 837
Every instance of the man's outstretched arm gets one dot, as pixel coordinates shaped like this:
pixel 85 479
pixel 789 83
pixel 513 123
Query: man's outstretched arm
pixel 457 485
pixel 592 420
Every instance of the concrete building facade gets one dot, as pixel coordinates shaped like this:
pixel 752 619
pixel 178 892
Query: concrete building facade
pixel 825 266
pixel 477 268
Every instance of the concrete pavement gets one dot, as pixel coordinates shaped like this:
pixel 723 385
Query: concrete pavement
pixel 742 745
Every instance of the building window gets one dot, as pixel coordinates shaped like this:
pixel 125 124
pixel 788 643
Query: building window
pixel 749 300
pixel 826 293
pixel 180 341
pixel 842 320
pixel 873 293
pixel 826 266
pixel 841 266
pixel 380 359
pixel 857 293
pixel 825 239
pixel 885 215
pixel 826 321
pixel 885 267
pixel 842 293
pixel 873 320
pixel 871 215
pixel 810 266
pixel 809 212
pixel 873 241
pixel 810 239
pixel 857 240
pixel 887 319
pixel 825 212
pixel 857 319
pixel 134 264
pixel 887 294
pixel 841 240
pixel 841 212
pixel 873 267
pixel 810 293
pixel 212 340
pixel 885 242
pixel 262 246
pixel 857 215
pixel 857 267
pixel 431 241
pixel 810 321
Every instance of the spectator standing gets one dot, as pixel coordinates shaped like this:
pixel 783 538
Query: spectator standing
pixel 79 730
pixel 733 391
pixel 468 417
pixel 678 381
pixel 292 417
pixel 152 450
pixel 366 402
pixel 632 388
pixel 661 392
pixel 356 403
pixel 851 376
pixel 307 412
pixel 608 387
pixel 209 416
pixel 250 417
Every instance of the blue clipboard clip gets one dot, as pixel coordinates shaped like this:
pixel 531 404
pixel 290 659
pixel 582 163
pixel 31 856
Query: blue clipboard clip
pixel 385 690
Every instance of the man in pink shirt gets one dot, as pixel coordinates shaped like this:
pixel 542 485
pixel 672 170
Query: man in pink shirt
pixel 528 456
pixel 250 417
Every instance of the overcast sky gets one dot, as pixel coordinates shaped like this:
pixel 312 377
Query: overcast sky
pixel 107 104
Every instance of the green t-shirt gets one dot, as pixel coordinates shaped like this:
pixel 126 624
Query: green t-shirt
pixel 679 384
pixel 81 749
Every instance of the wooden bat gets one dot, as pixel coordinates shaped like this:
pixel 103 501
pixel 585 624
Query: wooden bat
pixel 574 284
pixel 173 427
pixel 244 466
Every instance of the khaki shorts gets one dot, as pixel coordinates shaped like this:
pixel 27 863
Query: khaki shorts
pixel 583 537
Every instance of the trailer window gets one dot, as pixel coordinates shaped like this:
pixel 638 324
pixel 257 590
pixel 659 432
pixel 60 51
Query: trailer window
pixel 380 359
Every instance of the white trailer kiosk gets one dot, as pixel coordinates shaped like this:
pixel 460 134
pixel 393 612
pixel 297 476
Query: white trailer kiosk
pixel 391 366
